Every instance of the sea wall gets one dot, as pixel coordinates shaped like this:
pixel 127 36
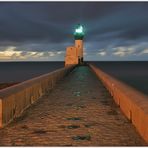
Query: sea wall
pixel 133 103
pixel 15 99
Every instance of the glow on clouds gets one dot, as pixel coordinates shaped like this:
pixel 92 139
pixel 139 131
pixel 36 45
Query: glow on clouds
pixel 11 53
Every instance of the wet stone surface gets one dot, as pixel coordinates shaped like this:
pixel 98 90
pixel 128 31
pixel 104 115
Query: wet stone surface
pixel 79 111
pixel 73 126
pixel 112 112
pixel 85 137
pixel 74 118
pixel 88 125
pixel 70 104
pixel 77 93
pixel 39 131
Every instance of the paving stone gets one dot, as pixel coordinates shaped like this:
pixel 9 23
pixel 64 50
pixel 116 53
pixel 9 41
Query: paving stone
pixel 112 112
pixel 39 131
pixel 77 93
pixel 70 104
pixel 74 118
pixel 73 126
pixel 84 137
pixel 87 125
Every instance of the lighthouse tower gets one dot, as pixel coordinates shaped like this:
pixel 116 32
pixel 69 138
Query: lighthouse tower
pixel 74 54
pixel 79 35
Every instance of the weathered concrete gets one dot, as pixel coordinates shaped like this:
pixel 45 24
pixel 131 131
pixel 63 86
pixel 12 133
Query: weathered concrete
pixel 133 103
pixel 14 100
pixel 79 111
pixel 71 56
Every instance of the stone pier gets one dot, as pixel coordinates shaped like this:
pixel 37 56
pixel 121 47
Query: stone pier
pixel 79 111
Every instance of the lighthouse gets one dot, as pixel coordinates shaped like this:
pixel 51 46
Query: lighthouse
pixel 79 35
pixel 74 54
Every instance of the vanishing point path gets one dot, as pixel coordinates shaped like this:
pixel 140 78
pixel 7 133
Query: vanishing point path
pixel 79 111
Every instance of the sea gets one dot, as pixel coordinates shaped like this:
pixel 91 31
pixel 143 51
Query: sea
pixel 134 73
pixel 21 71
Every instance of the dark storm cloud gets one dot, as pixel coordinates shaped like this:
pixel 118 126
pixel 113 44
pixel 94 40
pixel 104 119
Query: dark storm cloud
pixel 53 21
pixel 48 26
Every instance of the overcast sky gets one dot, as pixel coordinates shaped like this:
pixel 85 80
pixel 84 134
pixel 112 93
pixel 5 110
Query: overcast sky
pixel 42 30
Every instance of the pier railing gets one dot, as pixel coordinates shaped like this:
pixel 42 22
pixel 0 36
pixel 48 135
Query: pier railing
pixel 133 103
pixel 15 99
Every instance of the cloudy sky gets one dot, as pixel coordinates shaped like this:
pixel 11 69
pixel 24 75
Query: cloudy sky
pixel 40 31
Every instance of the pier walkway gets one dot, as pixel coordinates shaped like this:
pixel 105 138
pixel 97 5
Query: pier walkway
pixel 79 111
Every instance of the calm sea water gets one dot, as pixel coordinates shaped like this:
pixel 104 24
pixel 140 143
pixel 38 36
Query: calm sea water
pixel 21 71
pixel 132 73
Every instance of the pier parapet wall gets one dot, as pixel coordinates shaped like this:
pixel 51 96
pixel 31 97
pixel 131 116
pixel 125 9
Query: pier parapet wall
pixel 15 99
pixel 133 103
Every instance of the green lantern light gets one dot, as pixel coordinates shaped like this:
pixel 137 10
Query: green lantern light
pixel 79 32
pixel 79 29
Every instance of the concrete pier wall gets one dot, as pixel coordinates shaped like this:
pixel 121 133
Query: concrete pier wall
pixel 132 103
pixel 14 100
